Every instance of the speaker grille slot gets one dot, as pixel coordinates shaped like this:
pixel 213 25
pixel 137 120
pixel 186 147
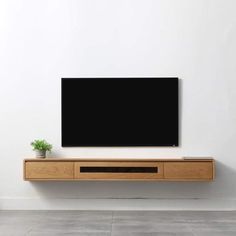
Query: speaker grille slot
pixel 115 169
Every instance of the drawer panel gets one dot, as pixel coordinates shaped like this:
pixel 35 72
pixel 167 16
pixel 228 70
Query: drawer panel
pixel 49 170
pixel 118 170
pixel 188 170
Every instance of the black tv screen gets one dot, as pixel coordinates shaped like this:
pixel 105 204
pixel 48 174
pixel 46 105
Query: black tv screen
pixel 119 112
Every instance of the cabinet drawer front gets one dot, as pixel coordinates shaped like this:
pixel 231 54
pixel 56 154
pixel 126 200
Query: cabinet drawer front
pixel 118 170
pixel 49 170
pixel 188 170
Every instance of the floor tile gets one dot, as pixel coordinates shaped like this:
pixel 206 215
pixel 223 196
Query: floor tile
pixel 222 233
pixel 40 233
pixel 150 227
pixel 207 216
pixel 144 217
pixel 152 234
pixel 213 227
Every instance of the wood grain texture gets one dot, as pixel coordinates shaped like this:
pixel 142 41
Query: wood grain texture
pixel 65 169
pixel 49 170
pixel 126 176
pixel 183 159
pixel 188 170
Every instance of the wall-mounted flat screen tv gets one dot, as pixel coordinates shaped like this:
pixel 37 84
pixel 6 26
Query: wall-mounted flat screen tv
pixel 119 112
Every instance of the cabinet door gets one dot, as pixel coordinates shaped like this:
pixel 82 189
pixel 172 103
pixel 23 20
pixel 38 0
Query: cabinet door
pixel 49 170
pixel 118 170
pixel 188 170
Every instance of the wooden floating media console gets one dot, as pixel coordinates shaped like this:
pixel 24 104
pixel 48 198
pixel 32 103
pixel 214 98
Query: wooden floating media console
pixel 75 169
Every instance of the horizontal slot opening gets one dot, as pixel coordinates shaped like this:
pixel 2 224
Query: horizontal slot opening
pixel 116 169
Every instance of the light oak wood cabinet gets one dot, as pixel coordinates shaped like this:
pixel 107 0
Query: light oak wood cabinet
pixel 49 170
pixel 188 170
pixel 76 169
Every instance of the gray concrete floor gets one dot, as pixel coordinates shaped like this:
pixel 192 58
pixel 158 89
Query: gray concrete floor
pixel 118 223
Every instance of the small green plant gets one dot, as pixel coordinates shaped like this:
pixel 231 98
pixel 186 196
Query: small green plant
pixel 41 145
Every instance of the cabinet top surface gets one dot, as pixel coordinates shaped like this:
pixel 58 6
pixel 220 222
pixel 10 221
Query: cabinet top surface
pixel 122 159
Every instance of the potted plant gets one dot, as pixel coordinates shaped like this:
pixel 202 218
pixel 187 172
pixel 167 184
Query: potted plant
pixel 41 147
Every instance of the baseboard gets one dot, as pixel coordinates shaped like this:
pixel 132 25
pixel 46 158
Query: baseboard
pixel 117 204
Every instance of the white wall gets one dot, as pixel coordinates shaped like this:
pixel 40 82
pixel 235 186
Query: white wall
pixel 42 41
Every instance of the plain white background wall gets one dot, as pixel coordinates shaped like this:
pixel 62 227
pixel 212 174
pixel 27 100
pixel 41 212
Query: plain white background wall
pixel 42 41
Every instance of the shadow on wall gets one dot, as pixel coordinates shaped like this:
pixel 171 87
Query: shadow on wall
pixel 221 187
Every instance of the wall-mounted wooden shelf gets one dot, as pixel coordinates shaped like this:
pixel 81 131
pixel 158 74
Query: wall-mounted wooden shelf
pixel 75 169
